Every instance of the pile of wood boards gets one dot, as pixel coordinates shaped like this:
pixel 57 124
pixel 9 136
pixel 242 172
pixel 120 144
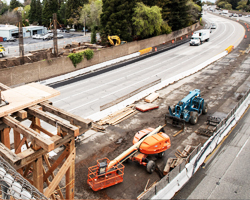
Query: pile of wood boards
pixel 180 157
pixel 151 97
pixel 118 116
pixel 148 106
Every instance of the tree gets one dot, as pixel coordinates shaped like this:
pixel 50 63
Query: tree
pixel 147 21
pixel 116 19
pixel 32 13
pixel 25 12
pixel 222 4
pixel 50 7
pixel 175 12
pixel 194 12
pixel 4 7
pixel 91 13
pixel 62 13
pixel 27 2
pixel 14 4
pixel 39 12
pixel 72 8
pixel 93 36
pixel 228 6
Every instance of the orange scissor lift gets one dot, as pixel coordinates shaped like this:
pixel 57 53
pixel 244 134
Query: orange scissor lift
pixel 147 141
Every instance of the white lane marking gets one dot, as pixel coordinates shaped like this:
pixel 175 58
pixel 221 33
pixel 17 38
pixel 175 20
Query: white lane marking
pixel 242 148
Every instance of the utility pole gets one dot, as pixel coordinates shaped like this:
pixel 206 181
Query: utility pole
pixel 20 33
pixel 55 35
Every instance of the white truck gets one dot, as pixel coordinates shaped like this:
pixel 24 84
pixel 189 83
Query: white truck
pixel 199 37
pixel 224 12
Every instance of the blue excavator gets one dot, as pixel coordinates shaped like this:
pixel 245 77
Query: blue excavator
pixel 187 110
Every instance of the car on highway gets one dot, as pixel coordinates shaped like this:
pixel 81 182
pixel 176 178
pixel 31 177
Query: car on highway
pixel 240 15
pixel 11 39
pixel 213 26
pixel 231 15
pixel 235 15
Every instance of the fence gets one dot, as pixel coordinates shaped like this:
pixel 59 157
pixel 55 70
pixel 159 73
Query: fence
pixel 14 186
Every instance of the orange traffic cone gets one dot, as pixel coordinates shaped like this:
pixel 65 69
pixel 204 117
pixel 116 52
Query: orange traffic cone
pixel 172 41
pixel 245 36
pixel 181 38
pixel 155 48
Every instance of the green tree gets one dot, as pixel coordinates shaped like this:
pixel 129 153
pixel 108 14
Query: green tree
pixel 39 12
pixel 72 8
pixel 228 6
pixel 25 12
pixel 147 21
pixel 62 13
pixel 32 13
pixel 222 4
pixel 116 19
pixel 93 35
pixel 14 4
pixel 194 12
pixel 4 7
pixel 50 7
pixel 91 13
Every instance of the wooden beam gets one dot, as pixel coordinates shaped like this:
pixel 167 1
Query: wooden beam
pixel 70 175
pixel 38 174
pixel 70 129
pixel 60 174
pixel 55 165
pixel 8 155
pixel 35 137
pixel 35 121
pixel 27 170
pixel 30 155
pixel 84 124
pixel 17 141
pixel 18 149
pixel 4 87
pixel 43 130
pixel 53 176
pixel 5 137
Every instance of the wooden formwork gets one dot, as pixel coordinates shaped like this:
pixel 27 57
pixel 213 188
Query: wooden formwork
pixel 33 163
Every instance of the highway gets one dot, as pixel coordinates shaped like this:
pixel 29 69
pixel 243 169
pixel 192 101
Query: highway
pixel 225 174
pixel 84 95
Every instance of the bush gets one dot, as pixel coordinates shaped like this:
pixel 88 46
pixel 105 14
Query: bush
pixel 93 36
pixel 88 53
pixel 76 57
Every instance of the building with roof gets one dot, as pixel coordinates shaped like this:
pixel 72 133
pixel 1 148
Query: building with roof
pixel 8 31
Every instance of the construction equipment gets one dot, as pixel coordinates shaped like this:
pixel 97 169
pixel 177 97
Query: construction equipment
pixel 115 40
pixel 147 141
pixel 2 51
pixel 187 110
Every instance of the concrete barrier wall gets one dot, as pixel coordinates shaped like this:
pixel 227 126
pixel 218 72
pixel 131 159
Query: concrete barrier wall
pixel 49 68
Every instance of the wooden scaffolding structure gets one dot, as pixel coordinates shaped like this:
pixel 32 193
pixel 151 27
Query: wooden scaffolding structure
pixel 33 163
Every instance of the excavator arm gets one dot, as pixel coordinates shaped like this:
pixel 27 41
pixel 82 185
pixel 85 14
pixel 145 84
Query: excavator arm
pixel 116 38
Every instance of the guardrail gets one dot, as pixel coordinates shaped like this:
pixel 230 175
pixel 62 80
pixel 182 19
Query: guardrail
pixel 179 176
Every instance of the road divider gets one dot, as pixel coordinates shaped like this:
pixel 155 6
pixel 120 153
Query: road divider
pixel 147 50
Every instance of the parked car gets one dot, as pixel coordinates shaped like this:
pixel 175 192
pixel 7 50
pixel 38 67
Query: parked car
pixel 231 15
pixel 213 26
pixel 11 39
pixel 48 36
pixel 59 36
pixel 240 15
pixel 235 15
pixel 72 30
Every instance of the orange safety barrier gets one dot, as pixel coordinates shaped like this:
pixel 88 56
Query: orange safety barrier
pixel 99 179
pixel 245 36
pixel 172 41
pixel 155 48
pixel 181 38
pixel 186 36
pixel 248 30
pixel 143 51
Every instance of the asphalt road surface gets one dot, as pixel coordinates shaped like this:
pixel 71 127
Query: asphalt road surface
pixel 225 174
pixel 83 96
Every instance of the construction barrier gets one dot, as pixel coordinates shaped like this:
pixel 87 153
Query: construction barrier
pixel 147 50
pixel 229 49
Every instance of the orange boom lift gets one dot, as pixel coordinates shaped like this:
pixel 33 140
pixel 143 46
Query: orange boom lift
pixel 147 141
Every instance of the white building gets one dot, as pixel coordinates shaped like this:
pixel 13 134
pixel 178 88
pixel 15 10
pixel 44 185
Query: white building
pixel 12 31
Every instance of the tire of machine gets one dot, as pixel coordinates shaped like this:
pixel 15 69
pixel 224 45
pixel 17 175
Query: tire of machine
pixel 193 117
pixel 151 166
pixel 204 109
pixel 160 155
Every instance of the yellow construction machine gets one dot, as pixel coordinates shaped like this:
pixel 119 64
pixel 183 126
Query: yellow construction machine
pixel 2 51
pixel 115 40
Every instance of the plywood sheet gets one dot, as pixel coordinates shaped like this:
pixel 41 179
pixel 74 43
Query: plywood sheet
pixel 24 96
pixel 146 107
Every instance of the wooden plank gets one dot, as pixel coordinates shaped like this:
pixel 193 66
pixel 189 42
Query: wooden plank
pixel 85 124
pixel 43 130
pixel 38 174
pixel 53 176
pixel 60 174
pixel 17 141
pixel 18 148
pixel 55 165
pixel 4 87
pixel 70 175
pixel 35 121
pixel 24 96
pixel 68 128
pixel 30 155
pixel 152 97
pixel 8 155
pixel 29 133
pixel 146 107
pixel 5 137
pixel 22 114
pixel 168 166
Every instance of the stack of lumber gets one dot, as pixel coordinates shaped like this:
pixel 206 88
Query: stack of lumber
pixel 180 157
pixel 151 97
pixel 146 107
pixel 118 116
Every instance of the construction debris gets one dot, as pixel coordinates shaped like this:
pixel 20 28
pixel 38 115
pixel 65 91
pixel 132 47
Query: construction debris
pixel 209 129
pixel 146 107
pixel 152 97
pixel 180 157
pixel 118 116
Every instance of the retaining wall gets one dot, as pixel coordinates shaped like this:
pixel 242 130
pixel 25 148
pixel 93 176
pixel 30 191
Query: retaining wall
pixel 45 69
